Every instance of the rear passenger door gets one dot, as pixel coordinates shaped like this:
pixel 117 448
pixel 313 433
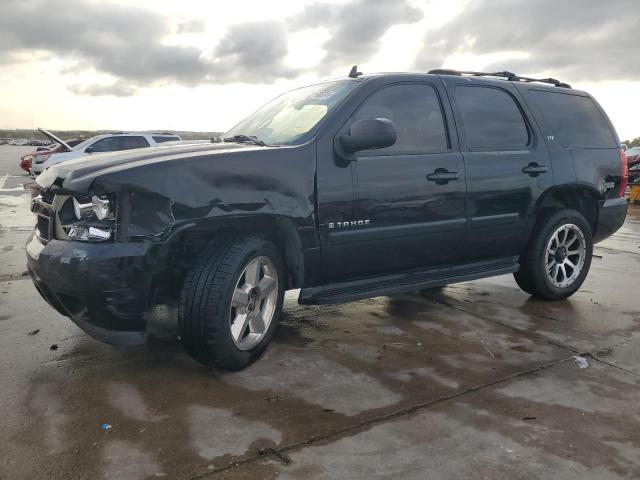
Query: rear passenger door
pixel 507 164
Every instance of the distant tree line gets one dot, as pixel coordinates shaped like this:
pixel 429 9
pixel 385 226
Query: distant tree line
pixel 632 143
pixel 67 134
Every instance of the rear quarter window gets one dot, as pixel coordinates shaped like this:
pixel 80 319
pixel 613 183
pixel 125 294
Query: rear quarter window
pixel 576 120
pixel 130 143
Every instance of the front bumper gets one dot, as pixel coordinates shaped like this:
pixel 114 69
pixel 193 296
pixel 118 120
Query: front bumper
pixel 611 216
pixel 104 288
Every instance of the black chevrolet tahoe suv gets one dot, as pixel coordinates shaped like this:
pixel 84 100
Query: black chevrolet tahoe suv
pixel 363 186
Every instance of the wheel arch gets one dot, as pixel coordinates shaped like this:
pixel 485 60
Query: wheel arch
pixel 188 241
pixel 581 198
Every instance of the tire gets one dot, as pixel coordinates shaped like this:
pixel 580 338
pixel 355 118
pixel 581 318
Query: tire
pixel 217 298
pixel 561 238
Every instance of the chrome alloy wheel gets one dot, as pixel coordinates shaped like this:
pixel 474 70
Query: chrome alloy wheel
pixel 254 303
pixel 565 255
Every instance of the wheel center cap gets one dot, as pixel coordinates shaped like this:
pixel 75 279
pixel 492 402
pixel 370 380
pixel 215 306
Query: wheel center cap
pixel 561 254
pixel 253 299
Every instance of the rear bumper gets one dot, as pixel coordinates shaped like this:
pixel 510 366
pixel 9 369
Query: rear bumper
pixel 611 216
pixel 104 288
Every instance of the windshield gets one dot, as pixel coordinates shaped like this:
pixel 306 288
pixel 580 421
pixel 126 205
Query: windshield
pixel 286 119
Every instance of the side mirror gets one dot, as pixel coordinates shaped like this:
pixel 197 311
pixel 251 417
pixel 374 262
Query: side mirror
pixel 366 134
pixel 89 150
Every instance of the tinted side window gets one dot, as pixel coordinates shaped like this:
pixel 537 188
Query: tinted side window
pixel 163 139
pixel 129 143
pixel 576 121
pixel 491 118
pixel 415 110
pixel 108 144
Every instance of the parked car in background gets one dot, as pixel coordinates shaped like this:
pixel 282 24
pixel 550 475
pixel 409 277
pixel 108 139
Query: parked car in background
pixel 354 188
pixel 18 142
pixel 110 142
pixel 633 160
pixel 44 152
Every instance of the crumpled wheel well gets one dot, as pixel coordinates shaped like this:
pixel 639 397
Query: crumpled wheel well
pixel 186 245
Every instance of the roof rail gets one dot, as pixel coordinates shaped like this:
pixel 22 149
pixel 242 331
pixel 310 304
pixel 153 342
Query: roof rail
pixel 512 77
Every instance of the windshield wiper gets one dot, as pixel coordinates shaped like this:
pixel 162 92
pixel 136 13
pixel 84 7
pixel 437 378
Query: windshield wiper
pixel 245 139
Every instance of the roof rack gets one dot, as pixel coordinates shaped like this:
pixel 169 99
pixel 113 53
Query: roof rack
pixel 512 77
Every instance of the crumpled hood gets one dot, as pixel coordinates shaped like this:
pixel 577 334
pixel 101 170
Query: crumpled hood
pixel 78 174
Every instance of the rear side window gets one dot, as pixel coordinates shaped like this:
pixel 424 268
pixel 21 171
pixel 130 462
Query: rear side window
pixel 129 143
pixel 159 139
pixel 107 144
pixel 416 113
pixel 576 121
pixel 491 119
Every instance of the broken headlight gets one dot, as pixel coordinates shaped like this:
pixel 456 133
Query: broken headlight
pixel 89 218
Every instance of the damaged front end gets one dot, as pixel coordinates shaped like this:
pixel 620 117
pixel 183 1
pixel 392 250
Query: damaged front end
pixel 94 256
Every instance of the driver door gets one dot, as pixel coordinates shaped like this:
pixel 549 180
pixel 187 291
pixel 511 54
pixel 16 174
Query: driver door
pixel 409 198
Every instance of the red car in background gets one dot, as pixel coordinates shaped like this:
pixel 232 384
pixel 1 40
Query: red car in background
pixel 25 160
pixel 633 161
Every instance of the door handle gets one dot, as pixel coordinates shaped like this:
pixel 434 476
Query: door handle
pixel 442 176
pixel 533 169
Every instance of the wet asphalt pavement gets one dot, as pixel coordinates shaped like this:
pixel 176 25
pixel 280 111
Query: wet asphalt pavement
pixel 475 380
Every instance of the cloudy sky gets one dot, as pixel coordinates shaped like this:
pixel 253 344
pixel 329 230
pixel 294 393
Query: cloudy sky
pixel 204 65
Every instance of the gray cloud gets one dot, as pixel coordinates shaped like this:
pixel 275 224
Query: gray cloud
pixel 127 43
pixel 116 89
pixel 253 53
pixel 123 41
pixel 356 27
pixel 570 40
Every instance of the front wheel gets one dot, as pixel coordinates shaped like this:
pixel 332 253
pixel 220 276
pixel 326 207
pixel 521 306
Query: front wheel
pixel 558 257
pixel 231 301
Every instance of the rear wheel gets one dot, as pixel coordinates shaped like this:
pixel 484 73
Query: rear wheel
pixel 231 301
pixel 558 257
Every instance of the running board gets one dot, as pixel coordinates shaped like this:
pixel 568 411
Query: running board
pixel 407 281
